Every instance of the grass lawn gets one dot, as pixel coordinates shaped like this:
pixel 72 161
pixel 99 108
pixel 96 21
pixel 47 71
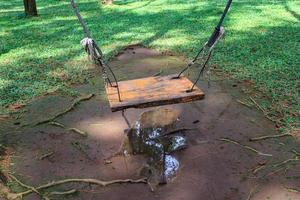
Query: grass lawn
pixel 42 54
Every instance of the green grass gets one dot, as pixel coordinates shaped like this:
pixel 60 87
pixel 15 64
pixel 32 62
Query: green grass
pixel 42 54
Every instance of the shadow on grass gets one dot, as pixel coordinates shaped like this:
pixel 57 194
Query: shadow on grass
pixel 126 2
pixel 288 8
pixel 38 54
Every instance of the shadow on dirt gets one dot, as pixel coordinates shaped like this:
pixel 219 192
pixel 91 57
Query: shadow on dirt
pixel 209 169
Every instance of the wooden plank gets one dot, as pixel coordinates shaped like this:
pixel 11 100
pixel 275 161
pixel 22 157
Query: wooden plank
pixel 152 91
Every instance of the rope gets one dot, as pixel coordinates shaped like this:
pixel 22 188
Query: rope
pixel 85 29
pixel 192 62
pixel 214 36
pixel 210 51
pixel 89 46
pixel 210 45
pixel 94 52
pixel 201 71
pixel 94 55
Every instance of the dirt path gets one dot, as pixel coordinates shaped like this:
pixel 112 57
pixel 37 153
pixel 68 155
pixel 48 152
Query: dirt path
pixel 210 169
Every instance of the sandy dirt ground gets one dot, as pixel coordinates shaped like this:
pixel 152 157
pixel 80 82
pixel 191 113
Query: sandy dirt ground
pixel 210 169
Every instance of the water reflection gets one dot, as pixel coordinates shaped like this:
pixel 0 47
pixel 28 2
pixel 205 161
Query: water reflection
pixel 151 135
pixel 171 166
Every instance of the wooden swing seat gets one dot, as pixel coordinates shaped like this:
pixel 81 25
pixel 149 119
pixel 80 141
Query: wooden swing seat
pixel 152 91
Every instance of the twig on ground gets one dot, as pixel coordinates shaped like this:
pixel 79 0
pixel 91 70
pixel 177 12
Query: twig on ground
pixel 42 157
pixel 264 112
pixel 296 152
pixel 243 103
pixel 275 171
pixel 75 103
pixel 287 161
pixel 258 168
pixel 78 131
pixel 257 105
pixel 79 147
pixel 292 177
pixel 158 73
pixel 85 134
pixel 269 136
pixel 107 162
pixel 252 191
pixel 151 187
pixel 293 190
pixel 119 152
pixel 245 146
pixel 57 124
pixel 279 166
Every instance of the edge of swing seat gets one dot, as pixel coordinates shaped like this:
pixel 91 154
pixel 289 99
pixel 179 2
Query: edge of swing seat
pixel 152 91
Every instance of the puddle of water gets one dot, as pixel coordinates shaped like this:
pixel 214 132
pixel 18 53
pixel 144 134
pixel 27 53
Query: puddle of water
pixel 150 136
pixel 171 166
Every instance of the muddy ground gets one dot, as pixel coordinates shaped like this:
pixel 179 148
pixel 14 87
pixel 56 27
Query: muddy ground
pixel 210 169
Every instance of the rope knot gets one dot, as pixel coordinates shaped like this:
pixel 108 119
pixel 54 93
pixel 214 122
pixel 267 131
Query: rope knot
pixel 86 41
pixel 91 48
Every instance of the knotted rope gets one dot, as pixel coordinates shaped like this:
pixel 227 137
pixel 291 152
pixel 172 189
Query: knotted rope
pixel 94 52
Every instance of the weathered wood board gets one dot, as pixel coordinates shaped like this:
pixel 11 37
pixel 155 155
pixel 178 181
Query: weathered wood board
pixel 152 91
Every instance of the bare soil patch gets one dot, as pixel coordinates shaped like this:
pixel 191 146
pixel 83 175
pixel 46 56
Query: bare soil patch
pixel 210 168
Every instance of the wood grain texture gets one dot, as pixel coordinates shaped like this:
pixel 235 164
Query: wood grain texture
pixel 152 91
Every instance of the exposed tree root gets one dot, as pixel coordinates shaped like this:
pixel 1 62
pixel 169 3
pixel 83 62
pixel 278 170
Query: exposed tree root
pixel 23 184
pixel 245 146
pixel 80 132
pixel 269 136
pixel 73 105
pixel 71 180
pixel 90 181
